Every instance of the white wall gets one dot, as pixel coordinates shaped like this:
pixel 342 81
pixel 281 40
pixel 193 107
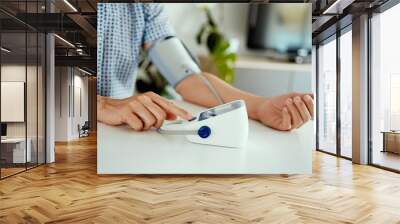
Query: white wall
pixel 61 103
pixel 79 117
pixel 82 82
pixel 68 83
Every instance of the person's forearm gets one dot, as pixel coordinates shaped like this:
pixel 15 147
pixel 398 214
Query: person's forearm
pixel 194 90
pixel 100 106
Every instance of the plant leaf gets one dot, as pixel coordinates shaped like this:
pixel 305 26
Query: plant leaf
pixel 210 19
pixel 212 41
pixel 230 57
pixel 200 34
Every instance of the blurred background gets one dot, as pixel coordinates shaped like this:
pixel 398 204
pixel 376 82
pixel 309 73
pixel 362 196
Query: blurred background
pixel 48 69
pixel 261 48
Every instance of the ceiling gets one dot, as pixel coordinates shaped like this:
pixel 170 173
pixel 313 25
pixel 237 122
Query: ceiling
pixel 74 22
pixel 332 15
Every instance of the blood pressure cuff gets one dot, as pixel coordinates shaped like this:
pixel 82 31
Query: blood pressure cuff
pixel 173 60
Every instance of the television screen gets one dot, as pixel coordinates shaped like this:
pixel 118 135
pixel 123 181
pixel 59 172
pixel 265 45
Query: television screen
pixel 283 27
pixel 3 129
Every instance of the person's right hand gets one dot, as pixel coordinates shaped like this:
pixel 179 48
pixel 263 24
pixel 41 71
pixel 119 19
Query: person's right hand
pixel 140 112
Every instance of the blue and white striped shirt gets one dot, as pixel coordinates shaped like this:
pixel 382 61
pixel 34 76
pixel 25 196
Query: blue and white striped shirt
pixel 122 30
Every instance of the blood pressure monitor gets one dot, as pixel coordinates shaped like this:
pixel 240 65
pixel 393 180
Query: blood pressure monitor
pixel 225 125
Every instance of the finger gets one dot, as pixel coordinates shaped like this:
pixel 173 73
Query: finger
pixel 157 112
pixel 310 104
pixel 171 117
pixel 286 121
pixel 172 110
pixel 309 94
pixel 296 117
pixel 169 106
pixel 133 121
pixel 144 114
pixel 301 107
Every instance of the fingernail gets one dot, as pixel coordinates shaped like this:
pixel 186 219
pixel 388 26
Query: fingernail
pixel 289 101
pixel 297 99
pixel 307 97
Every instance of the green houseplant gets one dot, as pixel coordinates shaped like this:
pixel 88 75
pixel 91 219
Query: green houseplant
pixel 218 47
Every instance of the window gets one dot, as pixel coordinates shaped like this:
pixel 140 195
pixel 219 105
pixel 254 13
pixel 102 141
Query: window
pixel 394 101
pixel 385 89
pixel 346 94
pixel 327 97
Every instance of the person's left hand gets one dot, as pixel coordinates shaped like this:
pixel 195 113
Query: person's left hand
pixel 286 112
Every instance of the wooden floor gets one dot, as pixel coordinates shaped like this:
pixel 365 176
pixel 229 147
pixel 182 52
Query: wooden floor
pixel 9 171
pixel 5 172
pixel 70 191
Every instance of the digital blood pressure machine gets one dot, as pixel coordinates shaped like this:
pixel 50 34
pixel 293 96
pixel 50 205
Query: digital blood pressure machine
pixel 224 125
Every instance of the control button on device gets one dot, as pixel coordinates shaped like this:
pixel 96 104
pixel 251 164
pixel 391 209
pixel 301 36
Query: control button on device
pixel 204 131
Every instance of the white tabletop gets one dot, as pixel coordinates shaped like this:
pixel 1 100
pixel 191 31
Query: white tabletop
pixel 123 151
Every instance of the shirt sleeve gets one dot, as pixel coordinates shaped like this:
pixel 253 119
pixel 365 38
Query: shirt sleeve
pixel 156 23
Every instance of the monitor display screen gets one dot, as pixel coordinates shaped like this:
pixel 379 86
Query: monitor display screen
pixel 3 129
pixel 283 27
pixel 222 109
